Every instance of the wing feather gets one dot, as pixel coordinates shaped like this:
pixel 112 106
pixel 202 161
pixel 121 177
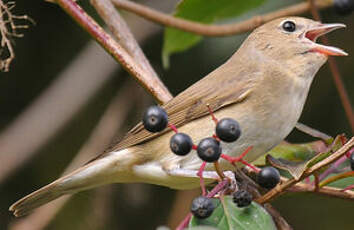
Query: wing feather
pixel 224 86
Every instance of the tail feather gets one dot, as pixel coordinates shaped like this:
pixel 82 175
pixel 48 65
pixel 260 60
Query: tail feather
pixel 36 199
pixel 112 168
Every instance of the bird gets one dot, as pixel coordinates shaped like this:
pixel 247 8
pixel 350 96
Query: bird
pixel 263 86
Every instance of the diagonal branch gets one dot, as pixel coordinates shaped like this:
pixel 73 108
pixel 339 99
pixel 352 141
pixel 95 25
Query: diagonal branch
pixel 288 183
pixel 153 85
pixel 214 30
pixel 122 33
pixel 325 190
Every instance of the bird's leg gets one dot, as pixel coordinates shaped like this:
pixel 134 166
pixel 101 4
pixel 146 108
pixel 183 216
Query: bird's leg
pixel 233 160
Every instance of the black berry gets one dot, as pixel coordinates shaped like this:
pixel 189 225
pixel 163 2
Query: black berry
pixel 155 119
pixel 181 144
pixel 289 26
pixel 228 130
pixel 351 159
pixel 268 177
pixel 242 198
pixel 209 149
pixel 344 7
pixel 202 207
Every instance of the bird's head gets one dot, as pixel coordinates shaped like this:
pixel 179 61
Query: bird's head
pixel 291 41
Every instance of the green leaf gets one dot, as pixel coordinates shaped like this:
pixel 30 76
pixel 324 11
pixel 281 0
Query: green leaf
pixel 296 158
pixel 202 228
pixel 293 152
pixel 203 11
pixel 337 143
pixel 342 183
pixel 228 216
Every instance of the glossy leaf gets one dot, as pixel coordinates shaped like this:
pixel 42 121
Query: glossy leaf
pixel 293 152
pixel 342 183
pixel 228 216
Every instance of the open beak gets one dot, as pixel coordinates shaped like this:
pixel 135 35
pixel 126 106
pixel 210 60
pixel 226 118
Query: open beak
pixel 313 33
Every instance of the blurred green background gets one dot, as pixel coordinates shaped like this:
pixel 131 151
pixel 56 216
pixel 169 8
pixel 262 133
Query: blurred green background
pixel 51 46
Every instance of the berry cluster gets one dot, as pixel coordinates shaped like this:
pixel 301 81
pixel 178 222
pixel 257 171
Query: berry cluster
pixel 209 150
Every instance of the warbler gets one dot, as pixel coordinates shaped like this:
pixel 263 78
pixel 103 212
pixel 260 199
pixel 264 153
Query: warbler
pixel 263 86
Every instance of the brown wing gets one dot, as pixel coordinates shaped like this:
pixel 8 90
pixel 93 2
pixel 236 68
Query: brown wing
pixel 224 86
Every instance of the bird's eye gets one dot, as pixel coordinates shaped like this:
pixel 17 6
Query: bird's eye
pixel 289 26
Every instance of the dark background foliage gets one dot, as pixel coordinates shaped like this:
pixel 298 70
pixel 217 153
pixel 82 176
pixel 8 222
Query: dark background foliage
pixel 54 42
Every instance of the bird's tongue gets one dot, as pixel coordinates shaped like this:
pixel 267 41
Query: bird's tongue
pixel 315 32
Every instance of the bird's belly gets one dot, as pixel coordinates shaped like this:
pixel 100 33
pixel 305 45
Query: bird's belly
pixel 261 130
pixel 261 138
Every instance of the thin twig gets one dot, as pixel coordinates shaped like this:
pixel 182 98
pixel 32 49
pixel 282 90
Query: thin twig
pixel 8 30
pixel 184 222
pixel 287 184
pixel 326 190
pixel 152 85
pixel 349 187
pixel 335 72
pixel 332 168
pixel 214 30
pixel 337 177
pixel 307 187
pixel 316 182
pixel 279 221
